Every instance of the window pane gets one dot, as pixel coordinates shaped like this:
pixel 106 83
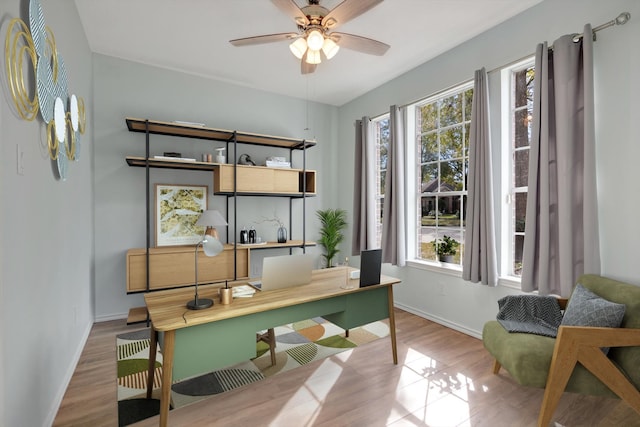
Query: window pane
pixel 520 211
pixel 517 256
pixel 451 143
pixel 429 178
pixel 464 210
pixel 451 110
pixel 521 171
pixel 520 88
pixel 429 117
pixel 467 132
pixel 383 181
pixel 521 128
pixel 468 99
pixel 428 210
pixel 452 176
pixel 429 147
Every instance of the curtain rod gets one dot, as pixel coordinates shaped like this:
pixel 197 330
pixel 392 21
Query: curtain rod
pixel 621 19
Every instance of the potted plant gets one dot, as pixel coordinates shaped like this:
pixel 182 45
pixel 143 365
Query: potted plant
pixel 333 223
pixel 445 248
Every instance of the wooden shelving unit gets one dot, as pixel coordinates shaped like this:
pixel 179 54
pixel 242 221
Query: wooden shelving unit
pixel 230 180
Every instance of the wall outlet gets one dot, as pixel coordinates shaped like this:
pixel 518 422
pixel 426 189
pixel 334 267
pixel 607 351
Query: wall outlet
pixel 255 270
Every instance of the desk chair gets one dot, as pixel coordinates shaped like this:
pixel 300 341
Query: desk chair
pixel 268 337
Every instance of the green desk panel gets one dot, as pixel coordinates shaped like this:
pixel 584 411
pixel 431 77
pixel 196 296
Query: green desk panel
pixel 362 308
pixel 207 347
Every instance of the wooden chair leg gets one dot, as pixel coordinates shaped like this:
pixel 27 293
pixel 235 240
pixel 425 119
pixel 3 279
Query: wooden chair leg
pixel 496 367
pixel 272 345
pixel 269 337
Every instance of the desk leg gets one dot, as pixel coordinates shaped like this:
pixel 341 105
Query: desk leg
pixel 392 325
pixel 167 368
pixel 152 360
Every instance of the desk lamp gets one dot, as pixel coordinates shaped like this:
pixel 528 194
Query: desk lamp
pixel 211 247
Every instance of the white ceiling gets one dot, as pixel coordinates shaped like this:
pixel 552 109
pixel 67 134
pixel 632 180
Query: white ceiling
pixel 193 36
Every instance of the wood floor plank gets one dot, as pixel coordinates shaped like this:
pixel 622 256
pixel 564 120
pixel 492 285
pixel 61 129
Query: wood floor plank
pixel 443 378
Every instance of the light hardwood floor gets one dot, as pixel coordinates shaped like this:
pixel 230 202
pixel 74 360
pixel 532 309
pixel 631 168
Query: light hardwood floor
pixel 443 378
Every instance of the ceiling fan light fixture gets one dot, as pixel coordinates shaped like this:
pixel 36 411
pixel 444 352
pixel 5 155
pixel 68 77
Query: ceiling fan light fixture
pixel 313 57
pixel 315 40
pixel 330 48
pixel 298 47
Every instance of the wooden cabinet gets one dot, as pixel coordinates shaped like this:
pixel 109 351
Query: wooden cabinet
pixel 171 267
pixel 258 179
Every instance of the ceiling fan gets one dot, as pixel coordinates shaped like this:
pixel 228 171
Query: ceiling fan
pixel 315 31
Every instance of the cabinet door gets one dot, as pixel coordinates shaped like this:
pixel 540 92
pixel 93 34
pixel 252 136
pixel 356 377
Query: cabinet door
pixel 256 179
pixel 174 267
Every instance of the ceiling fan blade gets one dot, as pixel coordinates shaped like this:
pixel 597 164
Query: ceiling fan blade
pixel 290 8
pixel 306 68
pixel 267 38
pixel 361 44
pixel 346 11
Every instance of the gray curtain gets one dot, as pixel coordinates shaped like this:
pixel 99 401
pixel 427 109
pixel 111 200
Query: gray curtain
pixel 479 263
pixel 561 231
pixel 393 211
pixel 364 188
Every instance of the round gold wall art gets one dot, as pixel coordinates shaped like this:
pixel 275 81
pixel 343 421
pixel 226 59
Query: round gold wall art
pixel 37 80
pixel 21 59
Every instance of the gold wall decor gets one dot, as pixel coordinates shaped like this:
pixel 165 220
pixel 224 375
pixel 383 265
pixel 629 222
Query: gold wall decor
pixel 33 52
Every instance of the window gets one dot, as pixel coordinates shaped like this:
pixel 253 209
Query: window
pixel 517 86
pixel 381 126
pixel 442 125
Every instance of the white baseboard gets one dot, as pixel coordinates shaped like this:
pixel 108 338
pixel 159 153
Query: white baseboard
pixel 440 320
pixel 67 378
pixel 108 317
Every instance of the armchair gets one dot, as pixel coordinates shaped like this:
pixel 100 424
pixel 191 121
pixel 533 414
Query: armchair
pixel 573 361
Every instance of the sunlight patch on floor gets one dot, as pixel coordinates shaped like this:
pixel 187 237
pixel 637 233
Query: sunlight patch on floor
pixel 305 405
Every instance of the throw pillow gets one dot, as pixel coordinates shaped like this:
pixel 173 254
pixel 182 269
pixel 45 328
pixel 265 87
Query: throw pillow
pixel 588 309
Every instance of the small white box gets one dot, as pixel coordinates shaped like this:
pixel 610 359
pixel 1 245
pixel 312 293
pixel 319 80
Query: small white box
pixel 355 274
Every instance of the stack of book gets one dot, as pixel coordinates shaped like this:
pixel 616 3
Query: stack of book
pixel 277 162
pixel 243 291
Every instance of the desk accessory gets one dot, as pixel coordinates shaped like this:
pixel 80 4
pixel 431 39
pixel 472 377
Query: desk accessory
pixel 226 294
pixel 211 247
pixel 370 266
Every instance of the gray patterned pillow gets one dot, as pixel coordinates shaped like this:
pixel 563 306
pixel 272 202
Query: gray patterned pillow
pixel 588 309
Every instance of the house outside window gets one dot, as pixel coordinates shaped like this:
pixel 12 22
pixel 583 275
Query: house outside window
pixel 381 125
pixel 442 125
pixel 517 100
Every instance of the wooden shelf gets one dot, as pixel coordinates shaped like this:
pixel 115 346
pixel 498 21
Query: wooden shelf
pixel 272 245
pixel 202 132
pixel 169 164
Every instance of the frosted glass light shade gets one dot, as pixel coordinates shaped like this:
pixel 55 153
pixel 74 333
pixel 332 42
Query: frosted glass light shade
pixel 315 40
pixel 313 57
pixel 211 246
pixel 298 47
pixel 330 48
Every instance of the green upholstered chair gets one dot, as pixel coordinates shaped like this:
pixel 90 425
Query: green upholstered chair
pixel 574 361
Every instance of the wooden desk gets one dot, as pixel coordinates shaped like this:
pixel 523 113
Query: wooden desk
pixel 191 339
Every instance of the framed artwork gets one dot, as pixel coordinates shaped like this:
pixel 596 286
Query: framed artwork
pixel 178 207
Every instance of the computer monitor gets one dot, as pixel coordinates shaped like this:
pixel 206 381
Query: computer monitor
pixel 370 266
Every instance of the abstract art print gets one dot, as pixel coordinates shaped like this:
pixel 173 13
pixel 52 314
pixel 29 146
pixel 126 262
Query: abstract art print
pixel 178 207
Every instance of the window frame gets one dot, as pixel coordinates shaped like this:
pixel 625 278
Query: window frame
pixel 507 173
pixel 376 122
pixel 414 194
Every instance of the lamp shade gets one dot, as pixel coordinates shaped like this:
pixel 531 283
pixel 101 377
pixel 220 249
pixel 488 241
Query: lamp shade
pixel 315 40
pixel 298 47
pixel 211 218
pixel 330 48
pixel 313 57
pixel 211 246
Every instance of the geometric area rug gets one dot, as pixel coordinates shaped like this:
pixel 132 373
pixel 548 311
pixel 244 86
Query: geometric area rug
pixel 296 344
